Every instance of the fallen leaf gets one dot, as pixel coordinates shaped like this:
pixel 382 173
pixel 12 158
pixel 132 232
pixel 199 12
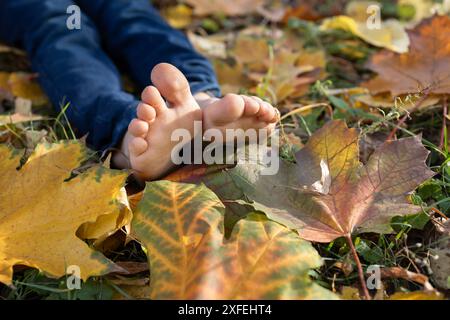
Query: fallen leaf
pixel 251 50
pixel 425 67
pixel 328 193
pixel 271 262
pixel 108 224
pixel 231 78
pixel 133 292
pixel 210 46
pixel 417 295
pixel 303 12
pixel 349 293
pixel 221 184
pixel 181 225
pixel 25 86
pixel 179 16
pixel 403 102
pixel 40 212
pixel 226 7
pixel 391 34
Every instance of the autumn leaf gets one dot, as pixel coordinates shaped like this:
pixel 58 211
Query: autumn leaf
pixel 328 193
pixel 272 262
pixel 231 78
pixel 181 225
pixel 426 67
pixel 405 103
pixel 179 16
pixel 390 34
pixel 107 224
pixel 40 211
pixel 221 184
pixel 417 295
pixel 23 85
pixel 229 8
pixel 210 46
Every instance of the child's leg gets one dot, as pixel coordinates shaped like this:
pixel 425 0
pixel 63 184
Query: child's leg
pixel 135 33
pixel 72 67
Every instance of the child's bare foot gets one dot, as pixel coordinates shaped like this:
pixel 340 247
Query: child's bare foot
pixel 147 144
pixel 238 112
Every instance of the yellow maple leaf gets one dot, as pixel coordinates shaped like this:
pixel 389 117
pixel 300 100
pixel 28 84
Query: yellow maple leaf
pixel 41 210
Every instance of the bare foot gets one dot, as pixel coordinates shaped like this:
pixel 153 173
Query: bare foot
pixel 238 112
pixel 147 144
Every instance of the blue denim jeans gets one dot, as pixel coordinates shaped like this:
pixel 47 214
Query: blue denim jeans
pixel 79 66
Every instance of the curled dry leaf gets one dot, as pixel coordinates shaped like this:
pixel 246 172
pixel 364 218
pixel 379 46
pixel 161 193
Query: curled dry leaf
pixel 40 211
pixel 181 225
pixel 328 193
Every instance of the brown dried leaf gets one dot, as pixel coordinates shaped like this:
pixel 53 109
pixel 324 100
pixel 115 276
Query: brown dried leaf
pixel 425 67
pixel 329 194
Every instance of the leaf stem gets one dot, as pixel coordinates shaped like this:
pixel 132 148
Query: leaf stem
pixel 362 280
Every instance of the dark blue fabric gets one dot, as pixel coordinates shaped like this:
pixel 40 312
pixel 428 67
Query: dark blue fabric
pixel 76 66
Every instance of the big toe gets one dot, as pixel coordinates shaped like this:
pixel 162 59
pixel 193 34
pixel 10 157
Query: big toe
pixel 172 84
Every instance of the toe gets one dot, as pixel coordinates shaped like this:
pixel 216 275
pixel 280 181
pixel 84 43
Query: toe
pixel 172 84
pixel 145 112
pixel 271 115
pixel 137 146
pixel 251 106
pixel 277 116
pixel 138 128
pixel 268 112
pixel 151 96
pixel 233 107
